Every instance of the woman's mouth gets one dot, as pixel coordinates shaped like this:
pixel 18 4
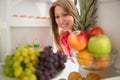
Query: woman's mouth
pixel 64 25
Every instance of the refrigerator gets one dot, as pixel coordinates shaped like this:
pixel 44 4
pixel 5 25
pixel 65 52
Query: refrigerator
pixel 27 21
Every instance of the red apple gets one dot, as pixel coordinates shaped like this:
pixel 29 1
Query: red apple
pixel 93 31
pixel 77 40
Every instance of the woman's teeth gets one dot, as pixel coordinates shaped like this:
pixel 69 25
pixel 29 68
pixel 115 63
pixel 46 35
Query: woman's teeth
pixel 64 25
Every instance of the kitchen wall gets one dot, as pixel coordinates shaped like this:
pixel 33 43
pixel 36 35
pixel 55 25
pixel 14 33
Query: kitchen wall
pixel 109 18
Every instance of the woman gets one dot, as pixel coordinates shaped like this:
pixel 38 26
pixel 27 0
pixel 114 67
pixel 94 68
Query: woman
pixel 63 15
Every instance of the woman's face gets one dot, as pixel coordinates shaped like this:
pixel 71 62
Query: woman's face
pixel 63 19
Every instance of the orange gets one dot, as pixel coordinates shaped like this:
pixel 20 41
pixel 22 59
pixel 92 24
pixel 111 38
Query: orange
pixel 93 76
pixel 102 62
pixel 74 75
pixel 85 58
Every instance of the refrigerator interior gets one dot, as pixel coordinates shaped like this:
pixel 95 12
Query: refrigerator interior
pixel 26 21
pixel 30 25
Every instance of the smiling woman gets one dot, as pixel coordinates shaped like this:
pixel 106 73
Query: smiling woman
pixel 63 15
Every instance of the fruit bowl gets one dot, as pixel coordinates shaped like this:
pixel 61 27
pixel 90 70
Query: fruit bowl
pixel 87 61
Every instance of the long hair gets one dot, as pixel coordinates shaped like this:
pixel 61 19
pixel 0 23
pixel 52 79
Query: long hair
pixel 69 7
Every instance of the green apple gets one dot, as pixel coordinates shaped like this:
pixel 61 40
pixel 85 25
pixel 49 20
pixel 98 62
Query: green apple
pixel 99 45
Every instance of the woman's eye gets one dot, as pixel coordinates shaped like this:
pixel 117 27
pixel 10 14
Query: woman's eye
pixel 65 14
pixel 56 16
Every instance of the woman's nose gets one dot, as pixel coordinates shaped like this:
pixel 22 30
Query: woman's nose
pixel 61 19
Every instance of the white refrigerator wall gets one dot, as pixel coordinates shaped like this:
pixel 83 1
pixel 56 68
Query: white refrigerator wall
pixel 109 18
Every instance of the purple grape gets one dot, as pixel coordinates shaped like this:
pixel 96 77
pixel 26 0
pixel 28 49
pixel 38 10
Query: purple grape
pixel 38 72
pixel 42 56
pixel 56 64
pixel 42 77
pixel 55 57
pixel 47 75
pixel 50 63
pixel 49 59
pixel 64 58
pixel 52 73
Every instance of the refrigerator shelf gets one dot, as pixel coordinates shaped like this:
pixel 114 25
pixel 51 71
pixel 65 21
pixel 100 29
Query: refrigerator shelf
pixel 29 22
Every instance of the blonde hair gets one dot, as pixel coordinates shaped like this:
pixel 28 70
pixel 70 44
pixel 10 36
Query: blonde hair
pixel 69 7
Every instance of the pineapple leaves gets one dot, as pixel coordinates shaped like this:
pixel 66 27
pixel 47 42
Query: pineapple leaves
pixel 86 16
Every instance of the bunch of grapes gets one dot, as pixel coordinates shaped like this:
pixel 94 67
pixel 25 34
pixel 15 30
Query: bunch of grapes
pixel 50 64
pixel 23 63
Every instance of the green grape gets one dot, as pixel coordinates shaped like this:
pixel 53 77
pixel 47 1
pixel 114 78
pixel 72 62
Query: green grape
pixel 17 53
pixel 8 58
pixel 9 62
pixel 22 74
pixel 35 62
pixel 25 78
pixel 37 51
pixel 6 71
pixel 21 63
pixel 15 58
pixel 11 72
pixel 20 58
pixel 28 71
pixel 16 64
pixel 8 66
pixel 24 52
pixel 32 77
pixel 29 64
pixel 33 57
pixel 26 60
pixel 18 71
pixel 32 68
pixel 22 46
pixel 30 50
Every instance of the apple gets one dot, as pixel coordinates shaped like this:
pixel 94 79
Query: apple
pixel 77 40
pixel 93 31
pixel 99 45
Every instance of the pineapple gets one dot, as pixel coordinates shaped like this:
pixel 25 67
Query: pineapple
pixel 86 16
